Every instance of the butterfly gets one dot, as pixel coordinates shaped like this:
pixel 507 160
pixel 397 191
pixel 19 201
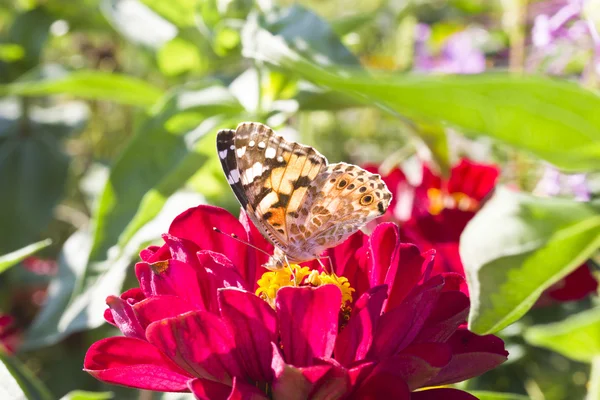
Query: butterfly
pixel 298 201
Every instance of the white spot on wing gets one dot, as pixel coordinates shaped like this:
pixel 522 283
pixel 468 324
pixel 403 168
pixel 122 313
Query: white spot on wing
pixel 280 159
pixel 251 143
pixel 241 151
pixel 262 145
pixel 257 168
pixel 223 154
pixel 235 176
pixel 232 147
pixel 270 152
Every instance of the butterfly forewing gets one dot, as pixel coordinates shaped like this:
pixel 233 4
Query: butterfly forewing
pixel 298 201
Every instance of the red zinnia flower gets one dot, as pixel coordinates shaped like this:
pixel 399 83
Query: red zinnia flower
pixel 381 325
pixel 10 336
pixel 440 209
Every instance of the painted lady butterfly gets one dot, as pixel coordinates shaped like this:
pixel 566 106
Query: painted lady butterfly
pixel 299 202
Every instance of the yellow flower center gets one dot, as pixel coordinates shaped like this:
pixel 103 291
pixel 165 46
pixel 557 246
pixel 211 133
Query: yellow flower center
pixel 270 282
pixel 439 200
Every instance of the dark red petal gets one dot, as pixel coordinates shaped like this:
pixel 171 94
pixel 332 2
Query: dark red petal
pixel 155 253
pixel 205 389
pixel 181 249
pixel 308 322
pixel 177 278
pixel 109 318
pixel 134 363
pixel 254 326
pixel 472 356
pixel 575 286
pixel 150 283
pixel 397 328
pixel 199 342
pixel 380 386
pixel 196 224
pixel 450 311
pixel 322 381
pixel 256 259
pixel 417 364
pixel 351 260
pixel 160 307
pixel 385 252
pixel 475 180
pixel 244 391
pixel 355 339
pixel 444 393
pixel 408 275
pixel 125 318
pixel 220 273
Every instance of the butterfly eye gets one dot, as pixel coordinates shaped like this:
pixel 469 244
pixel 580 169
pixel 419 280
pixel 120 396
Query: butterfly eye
pixel 366 200
pixel 342 184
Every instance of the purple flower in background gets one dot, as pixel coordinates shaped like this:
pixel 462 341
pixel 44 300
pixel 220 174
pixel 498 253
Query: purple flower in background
pixel 459 54
pixel 560 33
pixel 554 183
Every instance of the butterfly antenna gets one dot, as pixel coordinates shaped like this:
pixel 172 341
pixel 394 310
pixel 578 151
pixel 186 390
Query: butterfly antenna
pixel 236 237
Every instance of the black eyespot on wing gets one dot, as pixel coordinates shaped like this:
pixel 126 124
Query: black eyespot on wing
pixel 366 200
pixel 351 186
pixel 380 207
pixel 362 189
pixel 342 184
pixel 267 215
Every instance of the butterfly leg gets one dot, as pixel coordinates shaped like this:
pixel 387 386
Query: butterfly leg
pixel 325 269
pixel 291 270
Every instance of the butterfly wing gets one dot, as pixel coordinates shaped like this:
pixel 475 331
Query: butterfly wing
pixel 268 175
pixel 340 201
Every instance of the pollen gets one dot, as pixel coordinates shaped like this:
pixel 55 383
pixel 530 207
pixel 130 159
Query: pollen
pixel 270 282
pixel 439 200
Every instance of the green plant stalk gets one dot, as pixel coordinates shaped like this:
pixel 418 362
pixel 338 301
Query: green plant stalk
pixel 594 382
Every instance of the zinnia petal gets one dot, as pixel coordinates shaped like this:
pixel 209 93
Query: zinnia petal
pixel 397 328
pixel 254 326
pixel 199 342
pixel 472 356
pixel 308 322
pixel 449 312
pixel 408 274
pixel 323 381
pixel 355 339
pixel 205 389
pixel 134 363
pixel 125 318
pixel 196 224
pixel 160 307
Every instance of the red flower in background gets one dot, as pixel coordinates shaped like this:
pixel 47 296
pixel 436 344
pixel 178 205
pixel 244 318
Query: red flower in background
pixel 381 326
pixel 10 335
pixel 440 209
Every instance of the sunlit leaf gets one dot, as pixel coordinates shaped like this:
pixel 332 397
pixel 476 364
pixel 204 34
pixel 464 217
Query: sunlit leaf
pixel 13 258
pixel 83 395
pixel 179 12
pixel 483 395
pixel 555 120
pixel 517 246
pixel 138 23
pixel 17 382
pixel 178 56
pixel 576 337
pixel 89 85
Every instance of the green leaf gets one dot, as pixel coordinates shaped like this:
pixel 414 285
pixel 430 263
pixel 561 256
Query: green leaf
pixel 18 382
pixel 10 52
pixel 89 85
pixel 33 172
pixel 169 147
pixel 552 119
pixel 138 23
pixel 83 395
pixel 179 12
pixel 517 246
pixel 178 56
pixel 13 258
pixel 576 337
pixel 483 395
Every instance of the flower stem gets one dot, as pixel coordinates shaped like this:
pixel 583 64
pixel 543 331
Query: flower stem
pixel 594 382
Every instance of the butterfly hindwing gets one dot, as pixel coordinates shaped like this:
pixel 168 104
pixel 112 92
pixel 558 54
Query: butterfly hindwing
pixel 342 199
